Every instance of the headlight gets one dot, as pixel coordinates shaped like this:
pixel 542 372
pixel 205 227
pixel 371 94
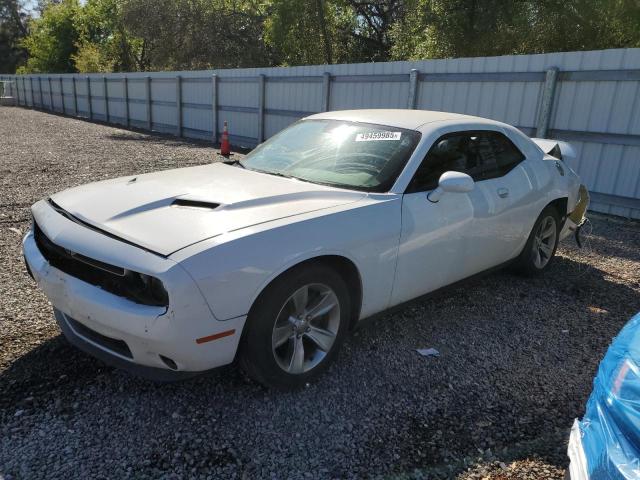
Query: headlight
pixel 145 289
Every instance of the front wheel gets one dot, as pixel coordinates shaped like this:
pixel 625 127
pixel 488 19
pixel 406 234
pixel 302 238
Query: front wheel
pixel 542 243
pixel 296 327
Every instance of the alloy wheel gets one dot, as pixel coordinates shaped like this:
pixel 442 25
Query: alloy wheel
pixel 544 242
pixel 306 328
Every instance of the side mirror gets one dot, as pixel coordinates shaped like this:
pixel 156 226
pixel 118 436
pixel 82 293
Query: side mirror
pixel 453 182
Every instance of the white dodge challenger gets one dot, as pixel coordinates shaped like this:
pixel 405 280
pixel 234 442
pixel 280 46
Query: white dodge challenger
pixel 273 257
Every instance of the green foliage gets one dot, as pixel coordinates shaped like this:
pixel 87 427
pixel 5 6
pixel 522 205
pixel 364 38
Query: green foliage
pixel 52 40
pixel 331 31
pixel 465 28
pixel 105 38
pixel 303 33
pixel 89 59
pixel 139 35
pixel 199 34
pixel 13 28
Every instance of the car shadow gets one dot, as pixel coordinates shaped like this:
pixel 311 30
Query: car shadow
pixel 56 366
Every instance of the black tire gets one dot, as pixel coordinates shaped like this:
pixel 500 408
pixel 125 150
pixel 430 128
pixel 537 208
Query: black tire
pixel 257 356
pixel 526 263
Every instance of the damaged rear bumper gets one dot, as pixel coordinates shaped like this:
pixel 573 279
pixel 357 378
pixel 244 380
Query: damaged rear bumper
pixel 577 217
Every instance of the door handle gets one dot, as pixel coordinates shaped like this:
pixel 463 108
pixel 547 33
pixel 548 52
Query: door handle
pixel 503 192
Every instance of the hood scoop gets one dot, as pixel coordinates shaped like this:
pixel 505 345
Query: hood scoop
pixel 185 202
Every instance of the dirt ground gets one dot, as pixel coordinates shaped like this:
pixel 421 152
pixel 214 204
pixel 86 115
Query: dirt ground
pixel 517 358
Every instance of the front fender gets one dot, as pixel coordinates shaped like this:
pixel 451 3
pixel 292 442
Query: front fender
pixel 233 269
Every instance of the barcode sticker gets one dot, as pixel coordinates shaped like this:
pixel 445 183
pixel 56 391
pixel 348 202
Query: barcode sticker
pixel 375 136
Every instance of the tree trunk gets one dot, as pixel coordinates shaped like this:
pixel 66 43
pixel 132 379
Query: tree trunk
pixel 325 36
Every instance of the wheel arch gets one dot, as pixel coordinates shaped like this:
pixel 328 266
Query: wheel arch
pixel 561 206
pixel 343 265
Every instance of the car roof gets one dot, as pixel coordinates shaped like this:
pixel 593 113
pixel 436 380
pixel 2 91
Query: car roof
pixel 401 118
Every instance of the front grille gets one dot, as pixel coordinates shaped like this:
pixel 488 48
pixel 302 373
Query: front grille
pixel 136 287
pixel 118 346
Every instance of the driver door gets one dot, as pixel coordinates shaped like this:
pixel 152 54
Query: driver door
pixel 440 242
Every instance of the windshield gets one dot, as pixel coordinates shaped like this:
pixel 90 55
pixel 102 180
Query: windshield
pixel 331 152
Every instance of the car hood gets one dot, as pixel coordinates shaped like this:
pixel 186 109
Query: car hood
pixel 166 211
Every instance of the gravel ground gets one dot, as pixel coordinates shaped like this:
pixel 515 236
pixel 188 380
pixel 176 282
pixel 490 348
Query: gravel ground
pixel 517 359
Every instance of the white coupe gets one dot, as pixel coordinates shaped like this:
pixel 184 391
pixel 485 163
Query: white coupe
pixel 272 258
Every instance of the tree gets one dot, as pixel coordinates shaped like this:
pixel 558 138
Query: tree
pixel 330 31
pixel 139 35
pixel 105 44
pixel 53 38
pixel 460 28
pixel 465 28
pixel 199 34
pixel 302 33
pixel 13 28
pixel 371 27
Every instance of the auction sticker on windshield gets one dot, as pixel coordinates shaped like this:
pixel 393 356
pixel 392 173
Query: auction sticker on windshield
pixel 374 136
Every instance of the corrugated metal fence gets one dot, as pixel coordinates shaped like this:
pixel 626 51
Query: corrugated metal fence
pixel 588 98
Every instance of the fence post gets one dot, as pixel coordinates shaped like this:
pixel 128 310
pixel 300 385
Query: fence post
pixel 326 90
pixel 261 101
pixel 40 96
pixel 106 97
pixel 214 107
pixel 413 88
pixel 50 96
pixel 178 106
pixel 125 87
pixel 147 83
pixel 546 105
pixel 64 109
pixel 31 91
pixel 18 96
pixel 75 96
pixel 89 97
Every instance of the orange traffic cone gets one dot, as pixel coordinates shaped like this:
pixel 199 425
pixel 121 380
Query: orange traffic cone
pixel 225 148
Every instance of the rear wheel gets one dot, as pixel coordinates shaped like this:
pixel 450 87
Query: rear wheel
pixel 542 243
pixel 296 327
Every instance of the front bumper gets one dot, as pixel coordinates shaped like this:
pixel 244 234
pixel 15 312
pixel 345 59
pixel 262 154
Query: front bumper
pixel 157 339
pixel 114 359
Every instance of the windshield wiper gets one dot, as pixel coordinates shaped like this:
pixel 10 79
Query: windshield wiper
pixel 233 162
pixel 277 174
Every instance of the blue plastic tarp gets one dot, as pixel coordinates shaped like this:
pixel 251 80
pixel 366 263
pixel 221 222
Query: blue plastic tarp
pixel 610 428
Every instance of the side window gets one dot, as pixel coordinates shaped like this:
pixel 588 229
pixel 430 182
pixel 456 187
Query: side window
pixel 499 155
pixel 480 154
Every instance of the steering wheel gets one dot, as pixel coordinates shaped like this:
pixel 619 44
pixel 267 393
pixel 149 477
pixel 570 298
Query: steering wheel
pixel 373 168
pixel 349 167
